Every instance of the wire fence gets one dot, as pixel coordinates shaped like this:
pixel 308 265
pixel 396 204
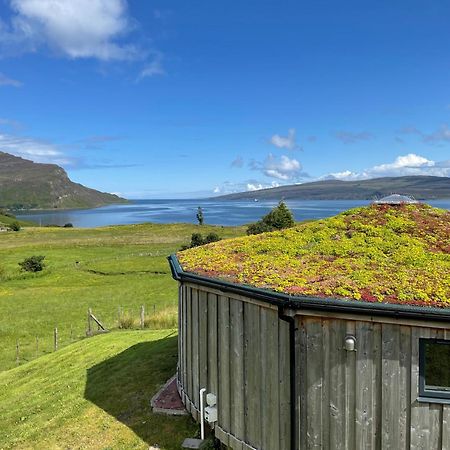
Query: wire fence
pixel 29 348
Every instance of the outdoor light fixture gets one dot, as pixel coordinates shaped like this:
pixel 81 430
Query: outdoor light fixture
pixel 350 342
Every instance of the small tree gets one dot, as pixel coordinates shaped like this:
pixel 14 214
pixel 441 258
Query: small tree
pixel 280 217
pixel 33 263
pixel 200 215
pixel 14 226
pixel 68 225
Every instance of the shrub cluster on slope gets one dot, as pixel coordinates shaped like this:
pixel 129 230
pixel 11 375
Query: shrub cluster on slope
pixel 396 254
pixel 279 218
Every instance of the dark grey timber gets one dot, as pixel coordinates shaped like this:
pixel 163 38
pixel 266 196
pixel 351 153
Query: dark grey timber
pixel 284 380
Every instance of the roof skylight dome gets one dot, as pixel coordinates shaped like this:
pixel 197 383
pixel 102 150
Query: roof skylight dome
pixel 396 199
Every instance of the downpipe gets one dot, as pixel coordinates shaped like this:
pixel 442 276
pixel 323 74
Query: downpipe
pixel 291 321
pixel 202 414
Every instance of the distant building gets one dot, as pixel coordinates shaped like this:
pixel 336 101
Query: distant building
pixel 395 199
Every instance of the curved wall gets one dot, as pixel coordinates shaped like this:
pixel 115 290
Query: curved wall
pixel 238 349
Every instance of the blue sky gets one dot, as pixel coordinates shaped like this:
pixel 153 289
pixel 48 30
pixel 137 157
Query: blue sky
pixel 154 99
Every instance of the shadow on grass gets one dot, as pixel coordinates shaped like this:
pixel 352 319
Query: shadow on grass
pixel 124 384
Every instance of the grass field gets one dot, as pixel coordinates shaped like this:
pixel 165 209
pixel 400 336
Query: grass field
pixel 93 394
pixel 8 220
pixel 101 268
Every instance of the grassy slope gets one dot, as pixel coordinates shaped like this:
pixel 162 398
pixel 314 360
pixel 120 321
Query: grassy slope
pixel 7 220
pixel 24 183
pixel 32 305
pixel 376 253
pixel 93 394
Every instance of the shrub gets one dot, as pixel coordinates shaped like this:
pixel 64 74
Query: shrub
pixel 197 239
pixel 68 225
pixel 279 218
pixel 211 237
pixel 14 226
pixel 33 264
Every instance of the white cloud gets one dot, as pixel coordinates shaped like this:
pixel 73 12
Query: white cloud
pixel 288 142
pixel 410 164
pixel 77 29
pixel 258 186
pixel 283 168
pixel 153 68
pixel 229 187
pixel 34 149
pixel 5 81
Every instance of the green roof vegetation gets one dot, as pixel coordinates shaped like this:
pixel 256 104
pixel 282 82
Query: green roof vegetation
pixel 377 253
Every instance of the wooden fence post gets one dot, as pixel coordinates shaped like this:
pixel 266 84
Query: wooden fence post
pixel 119 315
pixel 89 329
pixel 55 339
pixel 142 316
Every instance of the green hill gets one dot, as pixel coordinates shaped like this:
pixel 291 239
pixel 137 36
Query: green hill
pixel 94 394
pixel 6 220
pixel 420 187
pixel 28 185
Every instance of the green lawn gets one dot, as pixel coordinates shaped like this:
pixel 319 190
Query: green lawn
pixel 101 268
pixel 93 394
pixel 8 220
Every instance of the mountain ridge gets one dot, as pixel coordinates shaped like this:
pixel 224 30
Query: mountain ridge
pixel 421 187
pixel 25 184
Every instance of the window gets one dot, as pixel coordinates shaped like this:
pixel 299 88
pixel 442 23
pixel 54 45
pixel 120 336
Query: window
pixel 434 369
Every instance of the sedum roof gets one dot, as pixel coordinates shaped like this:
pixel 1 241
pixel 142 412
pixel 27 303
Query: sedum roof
pixel 379 253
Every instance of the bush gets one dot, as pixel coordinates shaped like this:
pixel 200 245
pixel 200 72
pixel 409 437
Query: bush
pixel 33 264
pixel 68 225
pixel 14 226
pixel 279 218
pixel 197 239
pixel 211 237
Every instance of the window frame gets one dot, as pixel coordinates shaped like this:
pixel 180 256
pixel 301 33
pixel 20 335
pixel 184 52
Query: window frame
pixel 425 394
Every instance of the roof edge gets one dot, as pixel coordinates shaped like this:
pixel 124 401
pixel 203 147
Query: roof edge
pixel 312 303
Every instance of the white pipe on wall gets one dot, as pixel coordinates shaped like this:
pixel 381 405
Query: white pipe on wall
pixel 202 414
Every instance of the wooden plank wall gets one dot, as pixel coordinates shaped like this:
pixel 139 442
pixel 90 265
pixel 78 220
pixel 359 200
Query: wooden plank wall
pixel 365 399
pixel 238 350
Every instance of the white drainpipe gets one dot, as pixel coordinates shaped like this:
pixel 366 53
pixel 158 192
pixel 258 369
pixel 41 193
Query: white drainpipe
pixel 202 414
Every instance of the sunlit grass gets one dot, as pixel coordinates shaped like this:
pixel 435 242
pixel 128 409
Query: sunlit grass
pixel 106 269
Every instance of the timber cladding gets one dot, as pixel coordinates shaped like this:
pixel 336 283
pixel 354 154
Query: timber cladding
pixel 232 348
pixel 240 349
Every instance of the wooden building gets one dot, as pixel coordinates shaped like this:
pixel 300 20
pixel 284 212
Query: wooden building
pixel 304 372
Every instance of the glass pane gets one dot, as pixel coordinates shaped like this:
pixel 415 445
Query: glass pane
pixel 437 366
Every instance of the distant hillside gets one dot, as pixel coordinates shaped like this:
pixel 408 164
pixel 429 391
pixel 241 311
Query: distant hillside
pixel 421 187
pixel 28 185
